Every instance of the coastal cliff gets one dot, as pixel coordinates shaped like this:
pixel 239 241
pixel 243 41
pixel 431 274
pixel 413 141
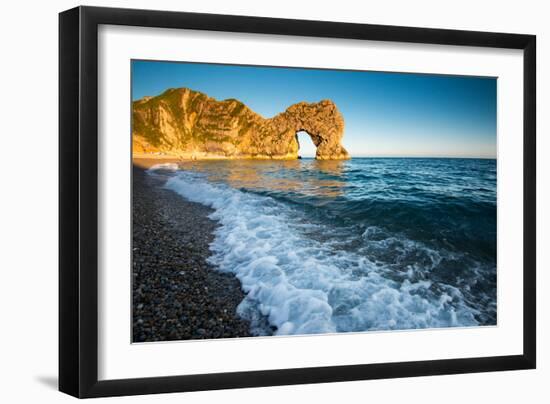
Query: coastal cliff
pixel 188 124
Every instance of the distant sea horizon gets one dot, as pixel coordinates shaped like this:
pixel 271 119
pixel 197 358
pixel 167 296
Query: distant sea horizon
pixel 411 157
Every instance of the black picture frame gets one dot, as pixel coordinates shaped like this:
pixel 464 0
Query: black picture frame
pixel 78 201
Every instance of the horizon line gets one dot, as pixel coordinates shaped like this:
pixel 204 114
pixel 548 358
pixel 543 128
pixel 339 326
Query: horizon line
pixel 415 157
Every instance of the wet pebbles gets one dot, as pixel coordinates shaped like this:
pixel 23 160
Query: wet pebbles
pixel 177 295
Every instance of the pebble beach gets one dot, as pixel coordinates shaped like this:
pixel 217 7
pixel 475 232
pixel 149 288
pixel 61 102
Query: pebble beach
pixel 177 294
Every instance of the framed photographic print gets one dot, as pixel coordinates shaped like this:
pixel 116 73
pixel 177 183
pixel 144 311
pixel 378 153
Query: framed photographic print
pixel 251 201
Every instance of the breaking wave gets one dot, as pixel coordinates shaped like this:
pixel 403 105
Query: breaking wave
pixel 307 276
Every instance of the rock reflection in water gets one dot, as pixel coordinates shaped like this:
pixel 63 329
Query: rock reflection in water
pixel 308 177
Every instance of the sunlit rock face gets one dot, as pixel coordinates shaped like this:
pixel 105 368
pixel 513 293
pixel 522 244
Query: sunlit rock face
pixel 191 125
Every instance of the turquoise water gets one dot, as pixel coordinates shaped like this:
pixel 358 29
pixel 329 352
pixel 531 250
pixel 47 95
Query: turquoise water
pixel 357 245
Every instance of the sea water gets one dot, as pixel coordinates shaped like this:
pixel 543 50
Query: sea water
pixel 358 245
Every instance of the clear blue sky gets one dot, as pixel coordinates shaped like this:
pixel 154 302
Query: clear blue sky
pixel 386 114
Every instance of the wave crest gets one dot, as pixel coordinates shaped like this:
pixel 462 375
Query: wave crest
pixel 304 286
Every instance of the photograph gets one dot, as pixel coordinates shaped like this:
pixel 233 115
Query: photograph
pixel 273 201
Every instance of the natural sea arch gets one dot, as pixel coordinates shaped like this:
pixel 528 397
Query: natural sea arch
pixel 191 125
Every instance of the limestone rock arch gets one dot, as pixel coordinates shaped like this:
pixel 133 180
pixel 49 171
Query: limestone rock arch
pixel 191 125
pixel 321 121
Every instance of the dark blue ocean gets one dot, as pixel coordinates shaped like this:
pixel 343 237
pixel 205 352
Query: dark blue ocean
pixel 357 245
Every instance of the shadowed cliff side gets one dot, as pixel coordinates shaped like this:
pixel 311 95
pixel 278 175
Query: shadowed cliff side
pixel 190 125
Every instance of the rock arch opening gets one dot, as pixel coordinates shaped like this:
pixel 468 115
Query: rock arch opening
pixel 306 147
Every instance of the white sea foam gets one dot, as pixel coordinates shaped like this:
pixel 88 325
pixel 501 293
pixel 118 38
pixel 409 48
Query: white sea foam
pixel 303 286
pixel 164 167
